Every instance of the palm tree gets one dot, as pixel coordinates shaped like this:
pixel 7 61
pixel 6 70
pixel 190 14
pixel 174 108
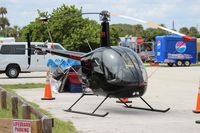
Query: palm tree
pixel 3 11
pixel 3 23
pixel 3 20
pixel 13 31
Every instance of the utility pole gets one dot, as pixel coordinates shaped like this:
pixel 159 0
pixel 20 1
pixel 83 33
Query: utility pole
pixel 198 28
pixel 173 27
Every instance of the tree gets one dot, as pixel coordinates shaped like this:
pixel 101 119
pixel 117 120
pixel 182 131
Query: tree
pixel 137 30
pixel 70 31
pixel 114 36
pixel 3 11
pixel 150 34
pixel 193 32
pixel 13 31
pixel 3 23
pixel 161 32
pixel 123 29
pixel 3 20
pixel 184 30
pixel 67 27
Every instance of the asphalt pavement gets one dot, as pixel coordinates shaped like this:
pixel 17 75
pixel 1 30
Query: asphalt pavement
pixel 33 77
pixel 174 87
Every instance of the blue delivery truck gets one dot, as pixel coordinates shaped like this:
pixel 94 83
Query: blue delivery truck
pixel 172 49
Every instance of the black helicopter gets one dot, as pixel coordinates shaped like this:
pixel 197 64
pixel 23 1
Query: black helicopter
pixel 110 71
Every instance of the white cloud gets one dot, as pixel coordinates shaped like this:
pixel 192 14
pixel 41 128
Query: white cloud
pixel 14 1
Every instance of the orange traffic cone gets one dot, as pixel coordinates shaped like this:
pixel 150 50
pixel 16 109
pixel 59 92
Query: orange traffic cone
pixel 47 91
pixel 198 101
pixel 123 100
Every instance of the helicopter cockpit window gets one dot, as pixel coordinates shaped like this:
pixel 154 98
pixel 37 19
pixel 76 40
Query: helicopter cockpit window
pixel 118 67
pixel 139 64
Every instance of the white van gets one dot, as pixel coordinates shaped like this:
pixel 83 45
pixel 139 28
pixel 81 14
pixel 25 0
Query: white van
pixel 14 58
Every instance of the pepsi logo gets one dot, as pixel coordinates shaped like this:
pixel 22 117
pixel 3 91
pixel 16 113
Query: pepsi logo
pixel 158 44
pixel 180 47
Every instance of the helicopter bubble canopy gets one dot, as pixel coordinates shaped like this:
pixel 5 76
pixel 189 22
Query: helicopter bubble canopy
pixel 123 65
pixel 120 65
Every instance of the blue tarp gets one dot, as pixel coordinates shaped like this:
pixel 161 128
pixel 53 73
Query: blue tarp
pixel 65 64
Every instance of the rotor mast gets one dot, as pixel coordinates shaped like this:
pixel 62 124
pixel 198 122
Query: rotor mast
pixel 105 31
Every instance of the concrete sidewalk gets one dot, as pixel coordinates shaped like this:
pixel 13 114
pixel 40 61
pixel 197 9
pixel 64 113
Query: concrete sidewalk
pixel 169 87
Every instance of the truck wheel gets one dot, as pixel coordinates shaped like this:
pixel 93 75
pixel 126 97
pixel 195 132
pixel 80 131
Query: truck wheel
pixel 12 71
pixel 179 63
pixel 187 63
pixel 170 64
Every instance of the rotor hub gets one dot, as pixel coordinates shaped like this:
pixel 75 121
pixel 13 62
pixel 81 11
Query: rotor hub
pixel 104 16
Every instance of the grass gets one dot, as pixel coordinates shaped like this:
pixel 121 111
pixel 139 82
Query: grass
pixel 6 113
pixel 64 127
pixel 59 125
pixel 23 86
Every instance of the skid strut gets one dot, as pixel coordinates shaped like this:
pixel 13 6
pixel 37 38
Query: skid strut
pixel 147 109
pixel 87 113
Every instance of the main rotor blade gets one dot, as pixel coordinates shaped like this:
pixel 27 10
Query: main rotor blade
pixel 154 25
pixel 65 15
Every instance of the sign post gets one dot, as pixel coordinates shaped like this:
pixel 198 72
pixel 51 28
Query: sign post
pixel 139 41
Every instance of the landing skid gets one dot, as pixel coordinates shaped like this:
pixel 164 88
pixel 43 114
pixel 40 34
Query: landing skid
pixel 103 115
pixel 147 109
pixel 87 113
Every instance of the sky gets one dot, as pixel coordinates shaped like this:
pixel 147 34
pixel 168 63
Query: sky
pixel 185 13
